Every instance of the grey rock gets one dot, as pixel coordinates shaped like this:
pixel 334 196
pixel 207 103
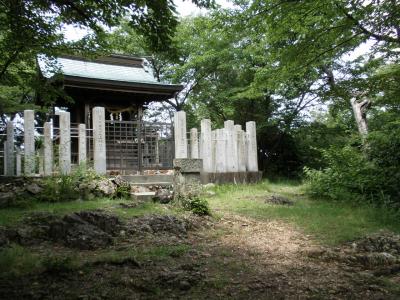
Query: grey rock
pixel 163 196
pixel 209 185
pixel 106 187
pixel 157 224
pixel 184 285
pixel 376 259
pixel 210 193
pixel 6 198
pixel 83 230
pixel 34 188
pixel 278 199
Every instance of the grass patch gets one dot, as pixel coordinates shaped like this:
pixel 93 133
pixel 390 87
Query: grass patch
pixel 330 222
pixel 10 216
pixel 149 253
pixel 16 261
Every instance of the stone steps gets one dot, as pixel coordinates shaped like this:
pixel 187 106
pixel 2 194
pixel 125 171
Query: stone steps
pixel 146 184
pixel 158 179
pixel 143 196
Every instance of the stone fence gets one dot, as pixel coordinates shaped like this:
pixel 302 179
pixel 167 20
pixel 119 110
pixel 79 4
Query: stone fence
pixel 29 161
pixel 229 154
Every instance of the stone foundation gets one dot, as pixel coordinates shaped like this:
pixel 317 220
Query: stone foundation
pixel 231 177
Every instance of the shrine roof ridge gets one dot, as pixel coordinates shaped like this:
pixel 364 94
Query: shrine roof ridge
pixel 115 68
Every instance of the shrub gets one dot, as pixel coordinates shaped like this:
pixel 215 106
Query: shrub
pixel 195 204
pixel 66 187
pixel 123 191
pixel 58 189
pixel 353 175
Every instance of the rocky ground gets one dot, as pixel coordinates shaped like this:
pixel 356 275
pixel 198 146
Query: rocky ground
pixel 96 255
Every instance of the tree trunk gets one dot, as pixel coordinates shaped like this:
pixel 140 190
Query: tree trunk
pixel 360 110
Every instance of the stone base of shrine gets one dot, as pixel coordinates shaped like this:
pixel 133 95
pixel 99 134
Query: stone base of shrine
pixel 231 177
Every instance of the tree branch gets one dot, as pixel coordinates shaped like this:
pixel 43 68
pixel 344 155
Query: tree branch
pixel 378 37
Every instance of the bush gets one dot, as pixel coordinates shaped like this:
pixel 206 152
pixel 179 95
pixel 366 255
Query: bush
pixel 59 189
pixel 123 191
pixel 195 204
pixel 353 175
pixel 65 187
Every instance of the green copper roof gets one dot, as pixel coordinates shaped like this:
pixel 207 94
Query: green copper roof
pixel 79 68
pixel 135 70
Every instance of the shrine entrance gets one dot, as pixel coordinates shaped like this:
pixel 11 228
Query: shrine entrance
pixel 134 146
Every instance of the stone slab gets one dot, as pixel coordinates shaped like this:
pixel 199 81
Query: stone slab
pixel 143 196
pixel 148 179
pixel 188 165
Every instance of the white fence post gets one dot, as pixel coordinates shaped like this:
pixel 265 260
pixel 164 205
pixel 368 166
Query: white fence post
pixel 48 149
pixel 231 153
pixel 205 136
pixel 181 150
pixel 29 142
pixel 82 144
pixel 194 143
pixel 252 163
pixel 220 151
pixel 99 140
pixel 65 143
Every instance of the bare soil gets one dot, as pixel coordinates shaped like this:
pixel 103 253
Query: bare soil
pixel 230 258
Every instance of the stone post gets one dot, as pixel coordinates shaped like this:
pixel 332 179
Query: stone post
pixel 18 162
pixel 48 149
pixel 213 150
pixel 29 142
pixel 186 176
pixel 65 143
pixel 41 161
pixel 181 150
pixel 99 140
pixel 220 151
pixel 194 143
pixel 10 149
pixel 205 136
pixel 241 148
pixel 82 144
pixel 231 152
pixel 5 158
pixel 157 150
pixel 252 163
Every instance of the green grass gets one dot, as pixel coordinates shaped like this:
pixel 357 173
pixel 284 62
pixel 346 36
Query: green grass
pixel 159 252
pixel 329 222
pixel 16 261
pixel 10 216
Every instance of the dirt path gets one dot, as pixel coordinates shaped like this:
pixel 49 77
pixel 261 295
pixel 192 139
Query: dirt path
pixel 229 258
pixel 273 260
